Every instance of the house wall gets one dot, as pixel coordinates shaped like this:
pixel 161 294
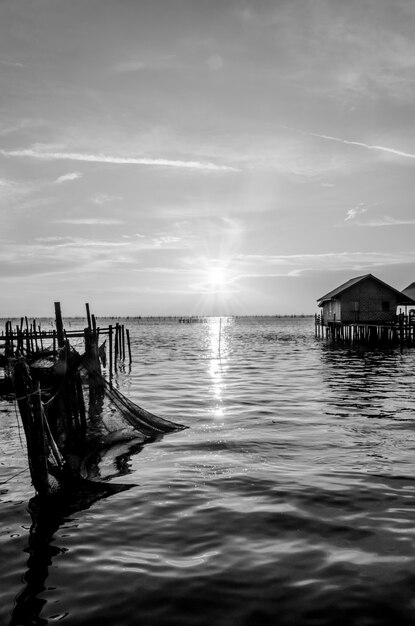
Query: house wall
pixel 332 311
pixel 368 301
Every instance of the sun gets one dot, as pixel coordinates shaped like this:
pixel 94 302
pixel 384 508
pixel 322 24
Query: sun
pixel 216 278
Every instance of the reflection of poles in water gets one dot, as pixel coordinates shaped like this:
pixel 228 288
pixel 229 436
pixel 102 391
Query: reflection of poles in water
pixel 28 604
pixel 48 514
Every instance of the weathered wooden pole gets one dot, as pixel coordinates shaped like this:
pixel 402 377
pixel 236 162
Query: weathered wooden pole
pixel 116 344
pixel 59 325
pixel 35 336
pixel 123 342
pixel 110 349
pixel 88 315
pixel 129 346
pixel 30 408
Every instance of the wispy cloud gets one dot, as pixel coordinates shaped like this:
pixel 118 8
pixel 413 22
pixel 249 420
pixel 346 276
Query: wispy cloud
pixel 101 158
pixel 104 198
pixel 385 220
pixel 57 253
pixel 8 128
pixel 298 264
pixel 361 144
pixel 89 221
pixel 137 65
pixel 168 241
pixel 12 64
pixel 66 177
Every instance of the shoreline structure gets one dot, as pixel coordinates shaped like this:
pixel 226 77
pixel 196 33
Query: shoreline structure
pixel 68 409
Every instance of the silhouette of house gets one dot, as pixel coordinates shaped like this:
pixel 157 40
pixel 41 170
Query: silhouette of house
pixel 365 299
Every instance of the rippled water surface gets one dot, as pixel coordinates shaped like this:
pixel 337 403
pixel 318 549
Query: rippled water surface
pixel 290 499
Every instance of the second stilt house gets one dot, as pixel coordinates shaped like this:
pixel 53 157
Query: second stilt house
pixel 364 299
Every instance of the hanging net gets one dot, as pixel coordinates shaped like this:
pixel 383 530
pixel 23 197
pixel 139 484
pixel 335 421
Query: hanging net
pixel 71 414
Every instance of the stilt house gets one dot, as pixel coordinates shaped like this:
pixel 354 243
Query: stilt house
pixel 364 299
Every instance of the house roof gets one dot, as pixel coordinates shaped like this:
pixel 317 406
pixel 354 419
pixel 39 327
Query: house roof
pixel 409 291
pixel 402 298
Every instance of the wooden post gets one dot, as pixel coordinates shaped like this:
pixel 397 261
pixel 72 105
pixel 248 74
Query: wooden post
pixel 123 342
pixel 88 315
pixel 110 349
pixel 35 336
pixel 29 402
pixel 129 346
pixel 41 340
pixel 27 336
pixel 59 325
pixel 116 345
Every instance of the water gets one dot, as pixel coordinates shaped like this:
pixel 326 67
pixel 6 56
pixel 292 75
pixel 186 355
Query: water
pixel 289 500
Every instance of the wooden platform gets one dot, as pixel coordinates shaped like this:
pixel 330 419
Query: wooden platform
pixel 400 332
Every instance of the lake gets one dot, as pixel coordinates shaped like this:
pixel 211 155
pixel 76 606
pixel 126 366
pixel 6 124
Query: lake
pixel 290 499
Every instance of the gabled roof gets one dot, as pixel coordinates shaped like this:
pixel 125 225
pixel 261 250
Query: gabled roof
pixel 409 291
pixel 402 298
pixel 342 288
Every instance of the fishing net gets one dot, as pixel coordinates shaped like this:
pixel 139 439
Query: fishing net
pixel 71 414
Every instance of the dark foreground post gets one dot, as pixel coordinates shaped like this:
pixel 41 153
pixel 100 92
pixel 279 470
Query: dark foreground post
pixel 88 315
pixel 59 325
pixel 30 407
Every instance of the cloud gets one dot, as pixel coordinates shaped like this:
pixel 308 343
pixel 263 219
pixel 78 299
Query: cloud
pixel 298 264
pixel 52 239
pixel 104 198
pixel 69 176
pixel 12 191
pixel 137 65
pixel 100 158
pixel 353 213
pixel 12 126
pixel 57 255
pixel 385 220
pixel 168 242
pixel 89 221
pixel 394 151
pixel 12 64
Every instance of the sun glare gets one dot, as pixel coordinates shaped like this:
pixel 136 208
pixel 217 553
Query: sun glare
pixel 216 278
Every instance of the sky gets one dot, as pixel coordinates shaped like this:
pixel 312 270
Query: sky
pixel 194 157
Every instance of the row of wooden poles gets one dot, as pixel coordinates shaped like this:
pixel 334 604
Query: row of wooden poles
pixel 28 339
pixel 401 332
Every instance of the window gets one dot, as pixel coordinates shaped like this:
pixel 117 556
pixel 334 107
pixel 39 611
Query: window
pixel 385 305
